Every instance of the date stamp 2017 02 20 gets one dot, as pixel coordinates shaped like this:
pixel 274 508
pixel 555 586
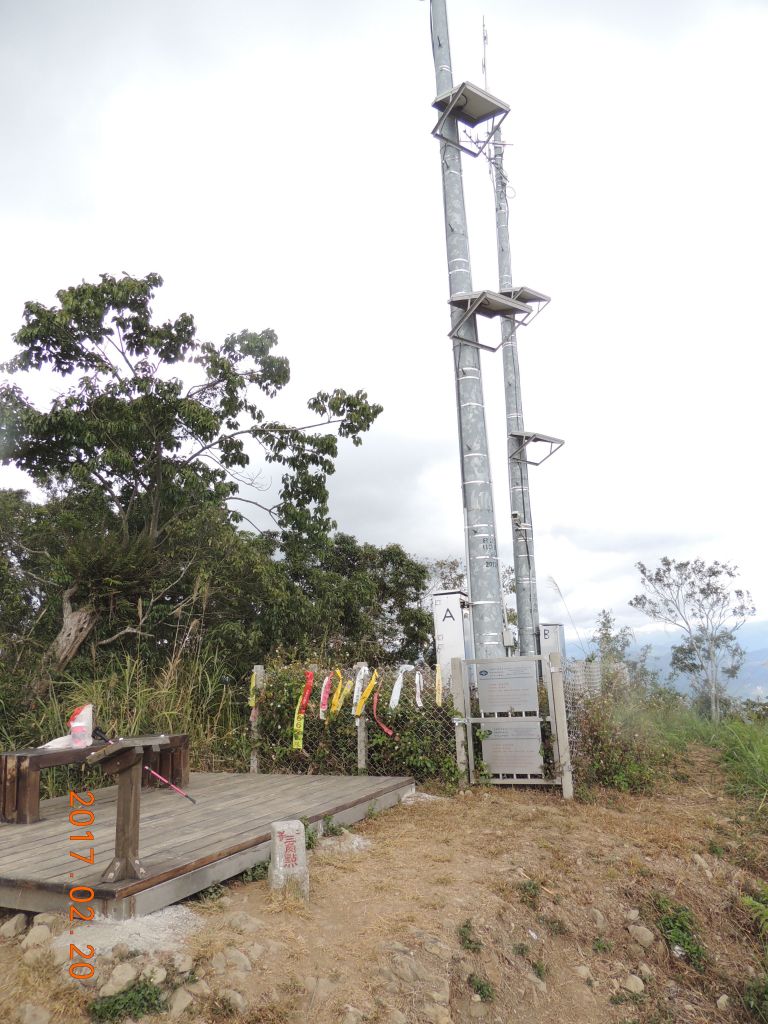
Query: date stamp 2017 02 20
pixel 81 909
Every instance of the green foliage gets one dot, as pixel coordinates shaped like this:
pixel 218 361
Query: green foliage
pixel 678 926
pixel 744 750
pixel 555 926
pixel 481 987
pixel 140 456
pixel 530 893
pixel 311 834
pixel 257 873
pixel 467 938
pixel 330 828
pixel 620 998
pixel 141 999
pixel 624 742
pixel 521 949
pixel 756 905
pixel 601 945
pixel 755 999
pixel 540 969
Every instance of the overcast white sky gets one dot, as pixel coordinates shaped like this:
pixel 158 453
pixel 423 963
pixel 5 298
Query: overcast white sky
pixel 274 163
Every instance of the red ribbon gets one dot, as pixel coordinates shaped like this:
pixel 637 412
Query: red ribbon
pixel 377 720
pixel 310 682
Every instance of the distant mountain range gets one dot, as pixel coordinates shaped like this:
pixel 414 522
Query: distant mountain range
pixel 752 680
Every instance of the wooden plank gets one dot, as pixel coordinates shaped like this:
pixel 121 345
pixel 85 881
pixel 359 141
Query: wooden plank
pixel 153 892
pixel 49 852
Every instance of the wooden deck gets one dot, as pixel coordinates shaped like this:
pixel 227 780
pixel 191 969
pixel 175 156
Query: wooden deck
pixel 185 847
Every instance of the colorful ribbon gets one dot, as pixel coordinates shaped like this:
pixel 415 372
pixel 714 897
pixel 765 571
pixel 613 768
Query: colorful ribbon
pixel 341 694
pixel 360 707
pixel 301 710
pixel 377 720
pixel 438 686
pixel 419 680
pixel 325 693
pixel 252 691
pixel 298 726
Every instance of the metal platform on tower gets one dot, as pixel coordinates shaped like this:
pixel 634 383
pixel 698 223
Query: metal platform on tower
pixel 473 107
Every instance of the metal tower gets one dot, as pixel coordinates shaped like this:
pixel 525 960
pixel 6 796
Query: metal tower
pixel 480 116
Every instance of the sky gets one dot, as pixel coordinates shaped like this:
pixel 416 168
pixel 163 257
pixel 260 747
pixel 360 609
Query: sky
pixel 274 163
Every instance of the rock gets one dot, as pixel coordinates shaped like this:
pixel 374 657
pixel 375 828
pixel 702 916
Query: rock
pixel 440 993
pixel 14 926
pixel 439 949
pixel 34 955
pixel 154 973
pixel 243 923
pixel 633 984
pixel 121 978
pixel 643 936
pixel 180 1001
pixel 632 915
pixel 36 936
pixel 723 1003
pixel 404 968
pixel 237 1001
pixel 198 988
pixel 598 919
pixel 436 1015
pixel 218 963
pixel 121 951
pixel 225 901
pixel 61 953
pixel 394 1016
pixel 183 963
pixel 645 972
pixel 353 1016
pixel 288 864
pixel 50 919
pixel 583 972
pixel 28 1013
pixel 237 959
pixel 538 984
pixel 478 1011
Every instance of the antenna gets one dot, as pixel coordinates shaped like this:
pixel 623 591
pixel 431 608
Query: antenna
pixel 485 62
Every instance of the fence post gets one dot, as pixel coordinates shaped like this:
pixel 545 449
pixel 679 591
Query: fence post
pixel 463 732
pixel 561 725
pixel 258 681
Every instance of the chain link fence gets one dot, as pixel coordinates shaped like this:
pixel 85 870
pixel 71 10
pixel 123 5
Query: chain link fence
pixel 407 734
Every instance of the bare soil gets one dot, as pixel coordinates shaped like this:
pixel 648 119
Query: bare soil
pixel 381 930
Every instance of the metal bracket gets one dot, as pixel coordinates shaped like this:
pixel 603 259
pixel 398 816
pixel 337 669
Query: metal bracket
pixel 472 106
pixel 488 304
pixel 526 438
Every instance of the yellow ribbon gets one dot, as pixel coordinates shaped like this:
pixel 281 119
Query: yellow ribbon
pixel 298 727
pixel 340 696
pixel 336 699
pixel 252 692
pixel 366 694
pixel 438 686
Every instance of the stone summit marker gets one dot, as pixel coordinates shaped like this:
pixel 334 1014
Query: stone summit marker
pixel 288 867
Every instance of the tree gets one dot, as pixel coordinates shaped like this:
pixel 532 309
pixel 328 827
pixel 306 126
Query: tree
pixel 145 449
pixel 699 600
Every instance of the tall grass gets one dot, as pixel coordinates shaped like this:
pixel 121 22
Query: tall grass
pixel 188 695
pixel 744 748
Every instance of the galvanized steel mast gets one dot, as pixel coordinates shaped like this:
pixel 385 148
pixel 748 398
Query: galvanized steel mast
pixel 484 582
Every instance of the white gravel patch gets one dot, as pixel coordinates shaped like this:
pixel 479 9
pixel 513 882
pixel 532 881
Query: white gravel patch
pixel 419 798
pixel 163 931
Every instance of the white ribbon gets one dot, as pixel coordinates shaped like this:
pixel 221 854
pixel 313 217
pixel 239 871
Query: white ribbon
pixel 363 674
pixel 397 689
pixel 419 681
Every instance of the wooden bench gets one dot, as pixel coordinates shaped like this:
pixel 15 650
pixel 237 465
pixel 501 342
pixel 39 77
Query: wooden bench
pixel 20 773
